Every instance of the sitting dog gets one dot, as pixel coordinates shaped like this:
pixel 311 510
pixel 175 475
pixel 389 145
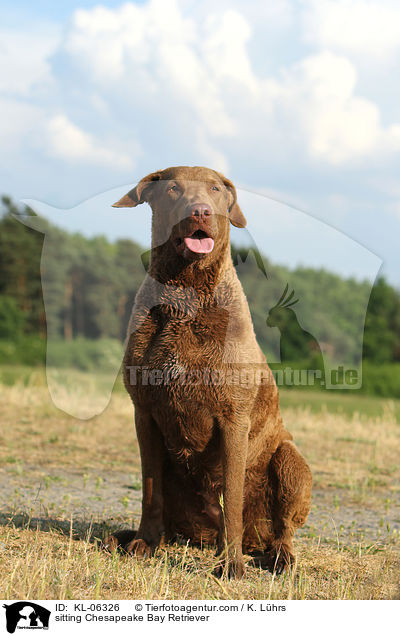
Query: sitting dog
pixel 218 465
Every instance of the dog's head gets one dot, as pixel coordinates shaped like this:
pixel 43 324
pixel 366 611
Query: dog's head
pixel 192 208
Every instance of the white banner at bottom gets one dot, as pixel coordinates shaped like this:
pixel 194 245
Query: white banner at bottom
pixel 164 617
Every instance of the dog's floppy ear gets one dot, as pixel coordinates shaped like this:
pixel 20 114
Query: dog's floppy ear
pixel 236 215
pixel 139 193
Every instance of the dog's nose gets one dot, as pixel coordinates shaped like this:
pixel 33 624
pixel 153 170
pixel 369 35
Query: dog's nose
pixel 200 210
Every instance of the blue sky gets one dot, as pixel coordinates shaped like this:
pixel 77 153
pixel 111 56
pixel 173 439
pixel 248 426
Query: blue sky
pixel 294 100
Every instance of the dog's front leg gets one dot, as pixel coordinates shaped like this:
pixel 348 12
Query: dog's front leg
pixel 234 441
pixel 151 529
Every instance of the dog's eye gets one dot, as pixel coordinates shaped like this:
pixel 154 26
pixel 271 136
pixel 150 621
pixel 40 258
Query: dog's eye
pixel 215 188
pixel 173 188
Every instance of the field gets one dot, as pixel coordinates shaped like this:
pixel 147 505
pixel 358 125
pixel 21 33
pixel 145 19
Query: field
pixel 65 482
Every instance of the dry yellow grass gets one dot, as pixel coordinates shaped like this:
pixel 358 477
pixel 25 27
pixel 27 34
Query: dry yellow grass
pixel 70 476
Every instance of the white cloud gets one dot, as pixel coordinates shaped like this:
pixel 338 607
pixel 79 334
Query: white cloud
pixel 200 71
pixel 224 49
pixel 154 51
pixel 69 142
pixel 316 99
pixel 215 157
pixel 24 59
pixel 369 28
pixel 178 78
pixel 20 122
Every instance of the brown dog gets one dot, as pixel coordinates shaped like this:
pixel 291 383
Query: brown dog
pixel 217 462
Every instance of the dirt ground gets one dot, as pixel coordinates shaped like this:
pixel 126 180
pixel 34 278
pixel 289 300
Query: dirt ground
pixel 99 497
pixel 51 500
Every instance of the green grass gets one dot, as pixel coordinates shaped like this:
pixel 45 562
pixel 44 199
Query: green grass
pixel 337 402
pixel 316 400
pixel 11 374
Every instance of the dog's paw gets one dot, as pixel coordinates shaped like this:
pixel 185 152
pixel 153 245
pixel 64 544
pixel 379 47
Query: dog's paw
pixel 139 548
pixel 282 558
pixel 233 568
pixel 146 544
pixel 118 540
pixel 140 543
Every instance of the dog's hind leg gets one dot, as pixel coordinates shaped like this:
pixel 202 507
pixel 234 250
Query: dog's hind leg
pixel 289 494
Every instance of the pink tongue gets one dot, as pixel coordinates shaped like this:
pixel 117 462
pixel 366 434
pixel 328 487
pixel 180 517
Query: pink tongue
pixel 199 246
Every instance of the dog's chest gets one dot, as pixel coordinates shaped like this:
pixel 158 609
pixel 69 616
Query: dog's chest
pixel 180 343
pixel 179 367
pixel 174 369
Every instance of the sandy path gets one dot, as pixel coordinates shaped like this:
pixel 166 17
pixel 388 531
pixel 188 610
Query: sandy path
pixel 53 499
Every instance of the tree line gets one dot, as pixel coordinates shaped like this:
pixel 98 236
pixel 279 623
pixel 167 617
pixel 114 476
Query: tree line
pixel 90 284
